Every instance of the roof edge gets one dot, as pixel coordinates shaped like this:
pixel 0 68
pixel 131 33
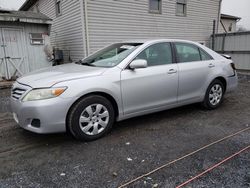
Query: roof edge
pixel 227 16
pixel 27 4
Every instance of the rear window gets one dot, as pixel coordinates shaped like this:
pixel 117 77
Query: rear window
pixel 205 56
pixel 190 53
pixel 187 52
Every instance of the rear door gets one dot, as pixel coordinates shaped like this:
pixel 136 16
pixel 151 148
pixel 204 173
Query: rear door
pixel 195 66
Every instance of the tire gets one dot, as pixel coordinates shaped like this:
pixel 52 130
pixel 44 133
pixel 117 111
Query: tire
pixel 214 97
pixel 91 118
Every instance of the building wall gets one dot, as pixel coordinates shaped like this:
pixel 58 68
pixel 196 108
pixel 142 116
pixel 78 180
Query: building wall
pixel 34 55
pixel 112 21
pixel 227 23
pixel 66 31
pixel 117 20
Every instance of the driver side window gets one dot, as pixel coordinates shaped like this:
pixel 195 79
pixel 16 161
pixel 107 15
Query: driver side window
pixel 157 54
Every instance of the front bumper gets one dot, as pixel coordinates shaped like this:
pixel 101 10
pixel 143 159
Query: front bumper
pixel 50 112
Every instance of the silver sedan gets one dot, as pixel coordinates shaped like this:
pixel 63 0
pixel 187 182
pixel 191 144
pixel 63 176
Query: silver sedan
pixel 121 81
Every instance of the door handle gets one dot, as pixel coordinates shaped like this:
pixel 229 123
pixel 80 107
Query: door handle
pixel 211 65
pixel 172 71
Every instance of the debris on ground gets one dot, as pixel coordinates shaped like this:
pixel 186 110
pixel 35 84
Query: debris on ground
pixel 155 185
pixel 129 159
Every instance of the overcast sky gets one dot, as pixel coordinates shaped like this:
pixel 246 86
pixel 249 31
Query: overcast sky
pixel 233 7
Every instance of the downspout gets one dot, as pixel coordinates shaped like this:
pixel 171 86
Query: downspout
pixel 86 26
pixel 83 28
pixel 218 19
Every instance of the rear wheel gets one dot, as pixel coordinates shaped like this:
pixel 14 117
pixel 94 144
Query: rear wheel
pixel 214 95
pixel 91 118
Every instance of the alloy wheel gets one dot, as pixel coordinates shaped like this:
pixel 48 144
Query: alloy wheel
pixel 215 94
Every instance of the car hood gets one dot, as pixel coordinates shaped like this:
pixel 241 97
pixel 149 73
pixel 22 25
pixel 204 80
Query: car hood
pixel 47 77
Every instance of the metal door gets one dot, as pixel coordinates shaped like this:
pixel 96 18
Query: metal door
pixel 13 53
pixel 149 88
pixel 2 58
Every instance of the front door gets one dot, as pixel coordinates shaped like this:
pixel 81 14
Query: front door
pixel 12 53
pixel 152 87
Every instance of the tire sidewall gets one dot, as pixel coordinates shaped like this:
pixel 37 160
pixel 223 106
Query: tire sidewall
pixel 77 110
pixel 207 103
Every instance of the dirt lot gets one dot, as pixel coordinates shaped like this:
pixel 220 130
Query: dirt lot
pixel 135 147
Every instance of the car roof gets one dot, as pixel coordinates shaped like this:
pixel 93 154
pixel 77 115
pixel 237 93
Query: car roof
pixel 157 40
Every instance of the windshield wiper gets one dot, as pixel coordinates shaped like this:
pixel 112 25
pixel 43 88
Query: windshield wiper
pixel 84 63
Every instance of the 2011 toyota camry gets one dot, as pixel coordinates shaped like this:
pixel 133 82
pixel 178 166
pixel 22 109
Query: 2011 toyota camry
pixel 121 81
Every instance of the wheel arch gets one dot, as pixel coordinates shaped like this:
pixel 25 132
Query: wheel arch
pixel 99 93
pixel 223 80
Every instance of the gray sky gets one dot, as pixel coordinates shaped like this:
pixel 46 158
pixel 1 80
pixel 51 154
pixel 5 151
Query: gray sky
pixel 233 7
pixel 238 8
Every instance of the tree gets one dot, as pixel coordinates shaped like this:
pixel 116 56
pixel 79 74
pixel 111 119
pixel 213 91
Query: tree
pixel 241 29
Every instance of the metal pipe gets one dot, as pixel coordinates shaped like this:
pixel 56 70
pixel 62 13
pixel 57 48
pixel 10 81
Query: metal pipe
pixel 83 27
pixel 218 19
pixel 86 26
pixel 213 36
pixel 223 26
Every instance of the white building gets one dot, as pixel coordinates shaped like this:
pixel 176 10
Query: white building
pixel 228 23
pixel 23 37
pixel 84 26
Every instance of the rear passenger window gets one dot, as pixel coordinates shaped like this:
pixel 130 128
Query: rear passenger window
pixel 205 56
pixel 187 52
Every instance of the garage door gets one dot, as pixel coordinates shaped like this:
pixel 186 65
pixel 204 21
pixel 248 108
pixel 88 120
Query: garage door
pixel 13 59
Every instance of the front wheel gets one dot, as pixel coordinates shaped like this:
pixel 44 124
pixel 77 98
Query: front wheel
pixel 214 95
pixel 91 118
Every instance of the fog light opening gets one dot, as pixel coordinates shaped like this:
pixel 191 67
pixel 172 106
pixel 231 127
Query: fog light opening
pixel 36 123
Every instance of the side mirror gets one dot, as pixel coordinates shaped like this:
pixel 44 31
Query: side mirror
pixel 138 63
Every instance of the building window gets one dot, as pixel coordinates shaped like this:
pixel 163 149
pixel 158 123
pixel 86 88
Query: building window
pixel 230 27
pixel 36 39
pixel 155 6
pixel 58 8
pixel 181 7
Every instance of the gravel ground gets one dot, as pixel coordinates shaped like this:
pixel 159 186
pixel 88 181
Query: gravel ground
pixel 134 147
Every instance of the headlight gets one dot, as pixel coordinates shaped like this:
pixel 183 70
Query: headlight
pixel 46 93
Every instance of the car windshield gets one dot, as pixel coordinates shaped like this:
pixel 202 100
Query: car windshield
pixel 111 55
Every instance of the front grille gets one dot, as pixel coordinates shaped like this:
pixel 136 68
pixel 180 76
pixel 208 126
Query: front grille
pixel 17 93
